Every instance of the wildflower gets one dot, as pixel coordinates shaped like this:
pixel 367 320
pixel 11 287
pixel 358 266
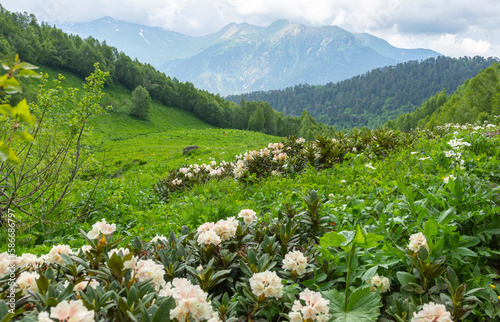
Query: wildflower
pixel 189 300
pixel 275 173
pixel 248 216
pixel 422 159
pixel 146 269
pixel 379 282
pixel 300 140
pixel 184 170
pixel 176 182
pixel 417 241
pixel 369 165
pixel 432 312
pixel 73 311
pixel 315 307
pixel 27 281
pixel 101 227
pixel 343 181
pixel 55 253
pixel 158 238
pixel 447 179
pixel 296 262
pixel 267 284
pixel 492 286
pixel 124 251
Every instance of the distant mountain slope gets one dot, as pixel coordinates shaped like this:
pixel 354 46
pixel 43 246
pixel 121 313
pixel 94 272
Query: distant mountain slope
pixel 476 100
pixel 242 57
pixel 375 97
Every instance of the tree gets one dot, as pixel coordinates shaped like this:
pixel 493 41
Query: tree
pixel 141 103
pixel 258 120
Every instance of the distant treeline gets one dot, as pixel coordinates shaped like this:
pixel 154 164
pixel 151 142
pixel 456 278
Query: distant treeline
pixel 375 97
pixel 46 45
pixel 476 100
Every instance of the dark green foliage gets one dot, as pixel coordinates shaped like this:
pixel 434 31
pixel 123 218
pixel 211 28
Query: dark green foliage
pixel 141 103
pixel 477 100
pixel 375 97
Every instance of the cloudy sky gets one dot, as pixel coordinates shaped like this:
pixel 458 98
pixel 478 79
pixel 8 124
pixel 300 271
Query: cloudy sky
pixel 451 27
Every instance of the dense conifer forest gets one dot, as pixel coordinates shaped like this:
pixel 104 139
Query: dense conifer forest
pixel 375 97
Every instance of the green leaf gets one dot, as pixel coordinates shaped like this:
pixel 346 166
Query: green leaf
pixel 363 306
pixel 464 252
pixel 21 113
pixel 163 312
pixel 24 136
pixel 6 109
pixel 405 278
pixel 7 155
pixel 430 228
pixel 332 239
pixel 447 216
pixel 369 273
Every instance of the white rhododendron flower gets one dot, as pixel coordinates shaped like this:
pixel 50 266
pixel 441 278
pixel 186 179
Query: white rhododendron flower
pixel 226 228
pixel 266 283
pixel 101 227
pixel 73 311
pixel 158 237
pixel 239 169
pixel 300 140
pixel 206 227
pixel 417 241
pixel 280 157
pixel 27 281
pixel 117 251
pixel 54 255
pixel 369 165
pixel 432 312
pixel 209 237
pixel 248 216
pixel 27 259
pixel 85 248
pixel 189 299
pixel 296 262
pixel 146 269
pixel 131 263
pixel 5 262
pixel 176 182
pixel 315 307
pixel 379 282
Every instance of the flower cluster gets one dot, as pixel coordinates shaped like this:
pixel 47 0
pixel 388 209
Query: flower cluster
pixel 313 307
pixel 101 227
pixel 176 182
pixel 54 255
pixel 417 241
pixel 432 312
pixel 447 179
pixel 381 283
pixel 73 311
pixel 224 229
pixel 146 269
pixel 267 284
pixel 158 238
pixel 369 165
pixel 296 262
pixel 248 216
pixel 189 300
pixel 27 281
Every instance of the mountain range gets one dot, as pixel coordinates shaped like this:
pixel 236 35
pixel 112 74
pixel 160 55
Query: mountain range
pixel 243 57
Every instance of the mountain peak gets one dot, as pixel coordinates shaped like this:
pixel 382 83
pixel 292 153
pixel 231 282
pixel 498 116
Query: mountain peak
pixel 106 19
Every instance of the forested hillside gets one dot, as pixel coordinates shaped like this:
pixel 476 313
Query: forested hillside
pixel 375 97
pixel 476 100
pixel 49 46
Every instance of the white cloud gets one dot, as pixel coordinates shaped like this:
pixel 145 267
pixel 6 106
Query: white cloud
pixel 458 27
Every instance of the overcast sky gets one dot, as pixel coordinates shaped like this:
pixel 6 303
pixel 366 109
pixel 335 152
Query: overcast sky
pixel 451 27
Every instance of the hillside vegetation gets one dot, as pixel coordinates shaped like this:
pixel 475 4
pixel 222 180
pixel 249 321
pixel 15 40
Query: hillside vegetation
pixel 49 46
pixel 376 96
pixel 476 100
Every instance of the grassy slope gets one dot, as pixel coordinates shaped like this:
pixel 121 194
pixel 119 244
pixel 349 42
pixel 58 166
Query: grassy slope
pixel 134 154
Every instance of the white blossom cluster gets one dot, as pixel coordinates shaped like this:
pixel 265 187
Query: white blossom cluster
pixel 101 227
pixel 189 299
pixel 315 307
pixel 158 238
pixel 295 261
pixel 381 283
pixel 224 229
pixel 248 216
pixel 73 311
pixel 432 312
pixel 417 241
pixel 176 182
pixel 27 281
pixel 267 284
pixel 239 169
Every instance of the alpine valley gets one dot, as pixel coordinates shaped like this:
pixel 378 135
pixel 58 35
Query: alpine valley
pixel 243 58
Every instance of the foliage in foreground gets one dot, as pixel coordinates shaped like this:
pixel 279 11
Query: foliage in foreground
pixel 409 250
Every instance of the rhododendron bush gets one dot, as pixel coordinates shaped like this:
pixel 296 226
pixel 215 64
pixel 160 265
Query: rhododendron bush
pixel 423 249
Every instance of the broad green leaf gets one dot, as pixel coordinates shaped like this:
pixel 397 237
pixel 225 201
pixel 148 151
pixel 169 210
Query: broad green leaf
pixel 369 273
pixel 24 136
pixel 363 306
pixel 163 312
pixel 7 155
pixel 405 278
pixel 21 113
pixel 430 228
pixel 332 239
pixel 6 109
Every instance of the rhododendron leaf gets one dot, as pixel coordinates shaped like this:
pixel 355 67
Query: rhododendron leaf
pixel 423 254
pixel 132 296
pixel 49 274
pixel 43 284
pixel 405 278
pixel 68 291
pixel 52 301
pixel 131 316
pixel 163 312
pixel 4 312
